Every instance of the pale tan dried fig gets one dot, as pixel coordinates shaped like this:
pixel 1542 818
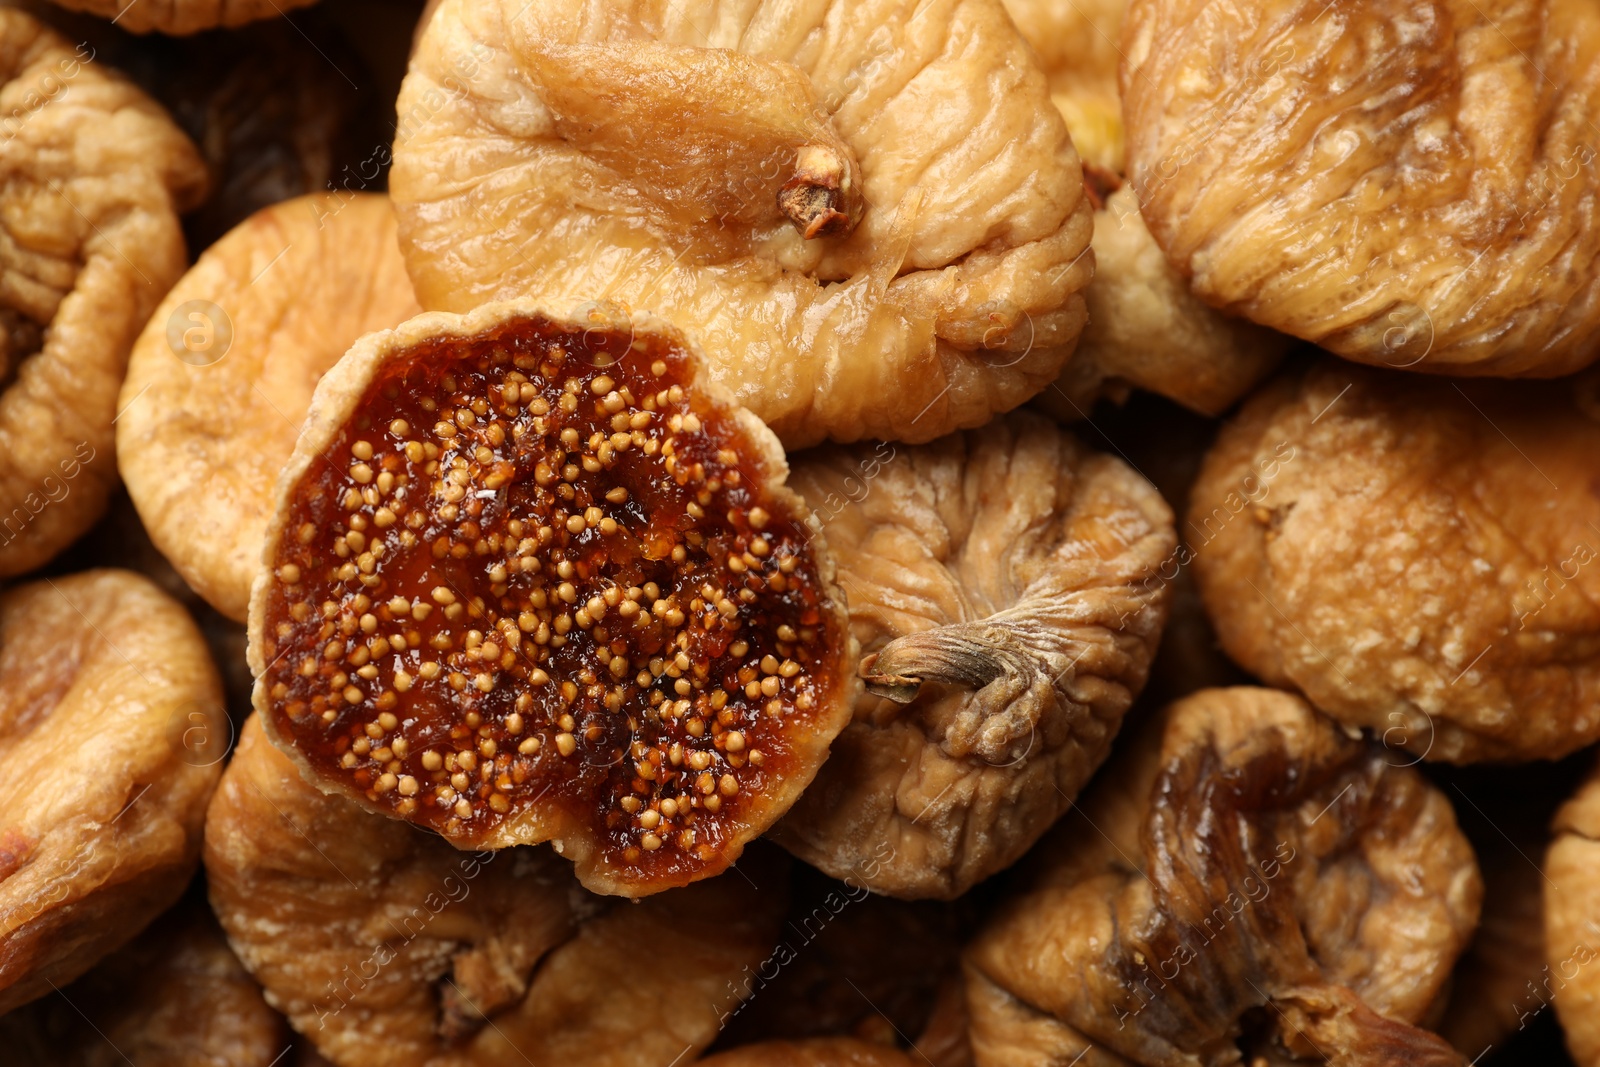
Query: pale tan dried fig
pixel 387 947
pixel 222 376
pixel 1408 183
pixel 92 175
pixel 1244 884
pixel 110 716
pixel 867 212
pixel 1007 587
pixel 1418 557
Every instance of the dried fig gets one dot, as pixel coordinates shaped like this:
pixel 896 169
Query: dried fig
pixel 387 947
pixel 175 996
pixel 529 580
pixel 108 700
pixel 817 1052
pixel 222 376
pixel 1571 977
pixel 94 174
pixel 1408 183
pixel 867 212
pixel 1416 556
pixel 1246 884
pixel 1006 585
pixel 1145 328
pixel 182 17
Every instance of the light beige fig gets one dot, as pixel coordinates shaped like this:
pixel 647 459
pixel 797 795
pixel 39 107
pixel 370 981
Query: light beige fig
pixel 222 376
pixel 868 213
pixel 1006 586
pixel 1407 183
pixel 92 176
pixel 1570 978
pixel 1418 557
pixel 1244 883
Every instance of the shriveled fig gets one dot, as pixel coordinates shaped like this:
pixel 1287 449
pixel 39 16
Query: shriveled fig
pixel 92 176
pixel 111 735
pixel 1408 183
pixel 1245 883
pixel 1416 556
pixel 175 996
pixel 1008 587
pixel 534 580
pixel 868 212
pixel 388 948
pixel 1145 328
pixel 222 376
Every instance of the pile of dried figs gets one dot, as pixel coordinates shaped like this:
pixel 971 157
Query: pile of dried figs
pixel 859 533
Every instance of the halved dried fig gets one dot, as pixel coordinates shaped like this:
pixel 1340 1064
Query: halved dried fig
pixel 1571 977
pixel 817 1052
pixel 868 212
pixel 1246 883
pixel 222 376
pixel 1145 328
pixel 1007 587
pixel 388 947
pixel 529 580
pixel 1408 183
pixel 94 174
pixel 1415 556
pixel 108 700
pixel 175 996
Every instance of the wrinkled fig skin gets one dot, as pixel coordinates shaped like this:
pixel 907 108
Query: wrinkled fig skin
pixel 765 176
pixel 1280 864
pixel 529 579
pixel 200 450
pixel 818 1052
pixel 176 996
pixel 1572 923
pixel 93 174
pixel 389 948
pixel 1145 328
pixel 1005 586
pixel 1408 183
pixel 110 713
pixel 1417 557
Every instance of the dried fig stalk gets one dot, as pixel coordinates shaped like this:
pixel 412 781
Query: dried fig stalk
pixel 1415 556
pixel 111 735
pixel 389 948
pixel 94 173
pixel 867 212
pixel 1007 587
pixel 1246 881
pixel 209 422
pixel 1354 176
pixel 530 579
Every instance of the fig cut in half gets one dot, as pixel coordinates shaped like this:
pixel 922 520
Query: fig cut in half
pixel 532 579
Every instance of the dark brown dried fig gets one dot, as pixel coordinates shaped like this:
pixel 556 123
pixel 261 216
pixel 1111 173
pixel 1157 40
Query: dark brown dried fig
pixel 534 580
pixel 1245 883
